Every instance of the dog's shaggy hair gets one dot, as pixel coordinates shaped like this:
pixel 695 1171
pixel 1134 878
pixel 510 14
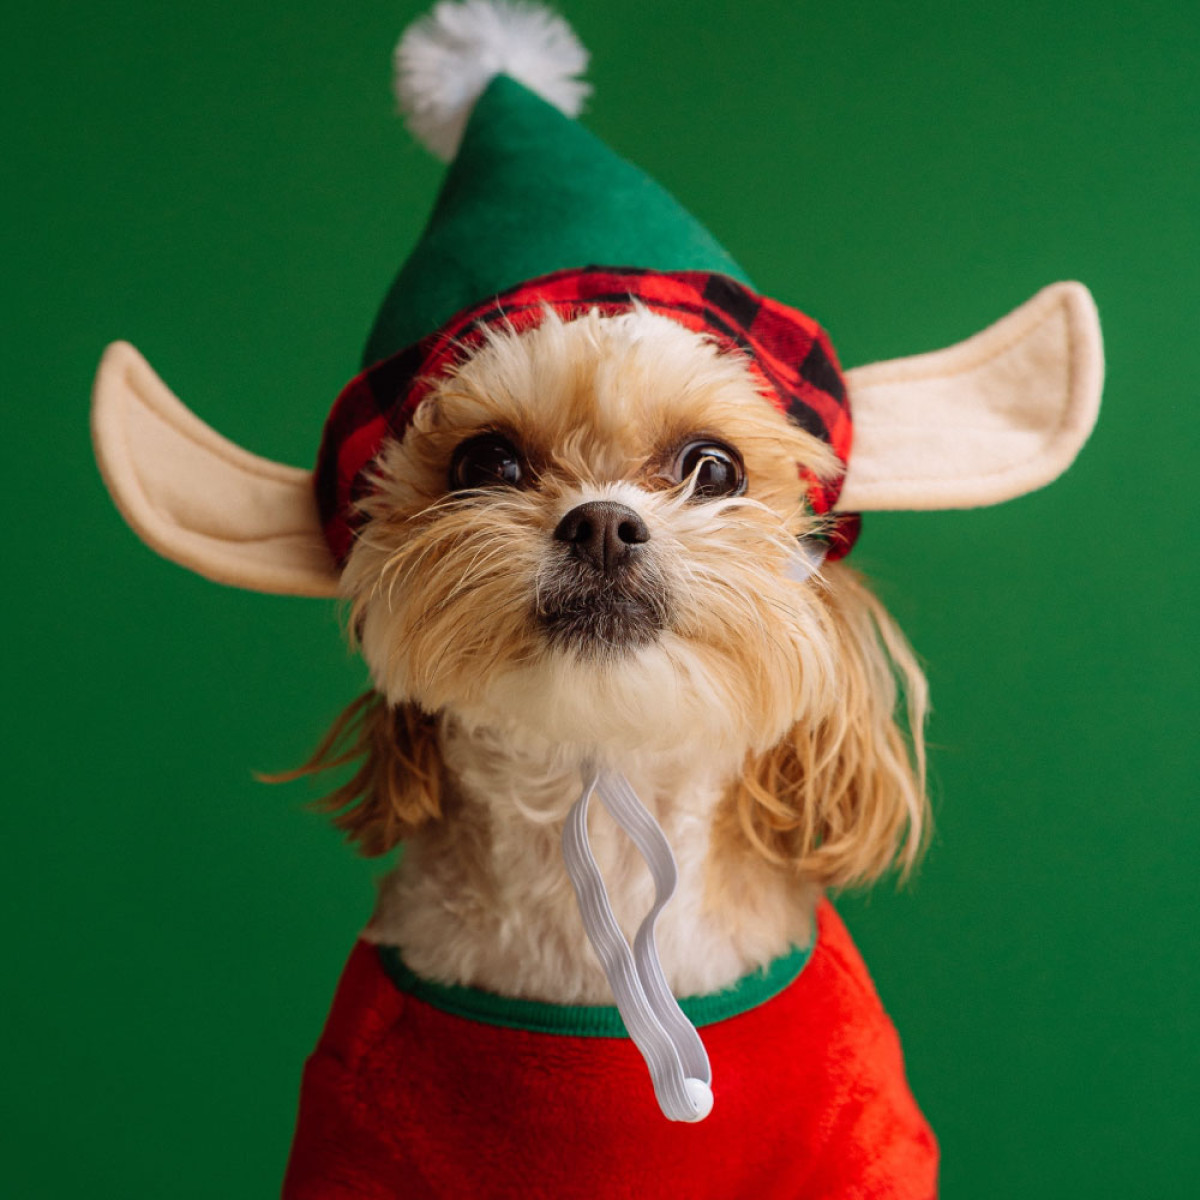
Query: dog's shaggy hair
pixel 758 717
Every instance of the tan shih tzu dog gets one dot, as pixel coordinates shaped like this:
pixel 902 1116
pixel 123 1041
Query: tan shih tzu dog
pixel 581 547
pixel 587 533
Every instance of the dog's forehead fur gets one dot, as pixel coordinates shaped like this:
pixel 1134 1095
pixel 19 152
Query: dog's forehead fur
pixel 602 398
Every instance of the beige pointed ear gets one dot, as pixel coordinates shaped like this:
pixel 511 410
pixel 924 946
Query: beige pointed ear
pixel 994 417
pixel 198 499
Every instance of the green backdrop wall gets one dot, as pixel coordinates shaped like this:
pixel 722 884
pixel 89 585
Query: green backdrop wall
pixel 224 184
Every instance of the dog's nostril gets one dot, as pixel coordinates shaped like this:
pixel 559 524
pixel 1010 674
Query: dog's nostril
pixel 633 533
pixel 602 533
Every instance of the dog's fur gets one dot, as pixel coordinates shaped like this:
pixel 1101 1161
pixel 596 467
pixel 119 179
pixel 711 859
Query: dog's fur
pixel 757 719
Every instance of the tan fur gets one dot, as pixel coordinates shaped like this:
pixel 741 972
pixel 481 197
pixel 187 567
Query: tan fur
pixel 399 783
pixel 759 725
pixel 841 797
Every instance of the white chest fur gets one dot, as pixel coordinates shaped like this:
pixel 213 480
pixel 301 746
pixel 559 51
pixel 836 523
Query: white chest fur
pixel 482 898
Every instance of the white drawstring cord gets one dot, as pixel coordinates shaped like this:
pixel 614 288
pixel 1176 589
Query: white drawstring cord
pixel 668 1041
pixel 806 560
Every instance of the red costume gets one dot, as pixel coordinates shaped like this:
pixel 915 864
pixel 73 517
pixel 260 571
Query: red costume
pixel 407 1096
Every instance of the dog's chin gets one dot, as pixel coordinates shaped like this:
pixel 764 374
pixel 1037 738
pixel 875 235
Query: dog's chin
pixel 606 629
pixel 656 695
pixel 591 669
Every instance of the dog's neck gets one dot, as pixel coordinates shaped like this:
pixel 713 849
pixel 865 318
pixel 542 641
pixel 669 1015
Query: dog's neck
pixel 481 897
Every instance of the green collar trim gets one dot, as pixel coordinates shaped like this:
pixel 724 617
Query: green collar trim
pixel 590 1020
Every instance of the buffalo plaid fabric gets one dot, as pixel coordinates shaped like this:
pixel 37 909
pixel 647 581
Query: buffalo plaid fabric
pixel 788 351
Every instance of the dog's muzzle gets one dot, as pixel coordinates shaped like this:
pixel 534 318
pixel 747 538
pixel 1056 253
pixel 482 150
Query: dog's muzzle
pixel 602 595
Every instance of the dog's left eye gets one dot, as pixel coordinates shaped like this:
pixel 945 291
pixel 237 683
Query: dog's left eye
pixel 488 460
pixel 717 467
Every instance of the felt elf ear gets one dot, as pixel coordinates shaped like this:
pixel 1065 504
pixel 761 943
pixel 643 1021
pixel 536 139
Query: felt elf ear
pixel 195 497
pixel 994 417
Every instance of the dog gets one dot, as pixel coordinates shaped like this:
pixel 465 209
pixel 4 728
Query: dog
pixel 580 551
pixel 589 524
pixel 580 548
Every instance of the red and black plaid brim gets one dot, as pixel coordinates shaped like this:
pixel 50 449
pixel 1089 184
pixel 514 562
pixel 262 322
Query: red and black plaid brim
pixel 788 351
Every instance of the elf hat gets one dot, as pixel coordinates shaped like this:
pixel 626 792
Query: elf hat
pixel 534 212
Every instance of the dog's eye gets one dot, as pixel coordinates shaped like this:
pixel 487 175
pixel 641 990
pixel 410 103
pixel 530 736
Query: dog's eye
pixel 718 470
pixel 488 460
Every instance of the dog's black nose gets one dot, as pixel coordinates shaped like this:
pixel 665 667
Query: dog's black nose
pixel 603 533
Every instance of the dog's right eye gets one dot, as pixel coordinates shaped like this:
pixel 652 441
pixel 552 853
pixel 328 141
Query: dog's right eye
pixel 487 460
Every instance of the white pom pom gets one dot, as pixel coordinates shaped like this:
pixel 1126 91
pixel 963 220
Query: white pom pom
pixel 446 59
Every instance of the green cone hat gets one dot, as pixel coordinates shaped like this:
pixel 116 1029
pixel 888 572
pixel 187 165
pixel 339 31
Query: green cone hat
pixel 530 191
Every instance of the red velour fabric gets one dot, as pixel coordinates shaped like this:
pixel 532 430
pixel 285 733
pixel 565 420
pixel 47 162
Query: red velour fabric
pixel 401 1099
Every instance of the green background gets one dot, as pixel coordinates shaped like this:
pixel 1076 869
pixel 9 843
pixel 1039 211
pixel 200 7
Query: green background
pixel 224 184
